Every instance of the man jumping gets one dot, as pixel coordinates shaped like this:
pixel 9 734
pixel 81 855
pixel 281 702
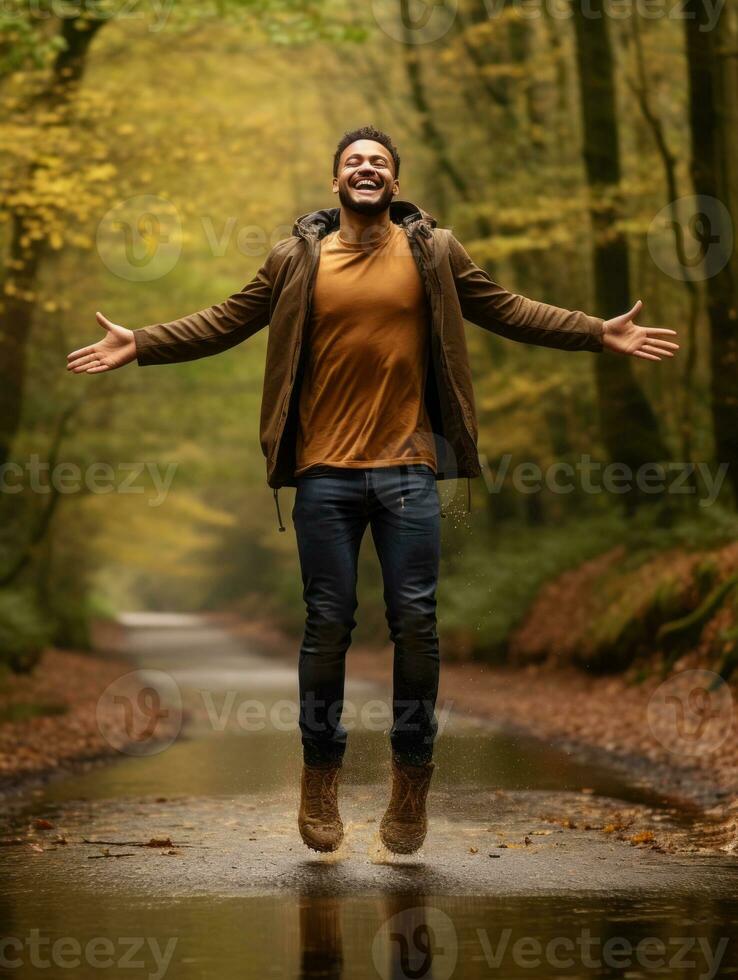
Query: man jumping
pixel 367 402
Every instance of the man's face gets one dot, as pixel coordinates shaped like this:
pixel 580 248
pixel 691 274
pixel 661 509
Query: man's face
pixel 365 182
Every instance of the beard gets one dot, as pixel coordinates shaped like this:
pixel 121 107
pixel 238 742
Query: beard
pixel 365 207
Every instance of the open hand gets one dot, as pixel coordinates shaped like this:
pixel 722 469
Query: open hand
pixel 623 335
pixel 117 348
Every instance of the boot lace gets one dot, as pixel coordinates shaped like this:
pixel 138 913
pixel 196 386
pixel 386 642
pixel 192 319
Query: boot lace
pixel 409 794
pixel 320 792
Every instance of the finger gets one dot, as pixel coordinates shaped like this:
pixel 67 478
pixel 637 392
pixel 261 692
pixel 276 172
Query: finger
pixel 650 357
pixel 97 369
pixel 85 367
pixel 665 344
pixel 657 350
pixel 103 321
pixel 80 361
pixel 659 330
pixel 90 349
pixel 635 311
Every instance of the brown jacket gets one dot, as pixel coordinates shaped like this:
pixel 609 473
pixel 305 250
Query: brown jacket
pixel 279 295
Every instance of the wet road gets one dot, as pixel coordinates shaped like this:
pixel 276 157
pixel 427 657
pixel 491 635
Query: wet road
pixel 534 866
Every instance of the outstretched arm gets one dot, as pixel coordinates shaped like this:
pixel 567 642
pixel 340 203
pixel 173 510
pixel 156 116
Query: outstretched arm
pixel 210 331
pixel 492 307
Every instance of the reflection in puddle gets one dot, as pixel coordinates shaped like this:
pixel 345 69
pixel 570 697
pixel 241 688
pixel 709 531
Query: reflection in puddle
pixel 538 900
pixel 396 937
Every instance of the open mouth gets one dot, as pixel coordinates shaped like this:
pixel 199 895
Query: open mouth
pixel 366 185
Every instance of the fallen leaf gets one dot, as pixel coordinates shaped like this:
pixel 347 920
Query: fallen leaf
pixel 644 837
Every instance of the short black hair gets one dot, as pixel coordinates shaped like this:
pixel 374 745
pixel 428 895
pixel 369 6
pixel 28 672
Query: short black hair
pixel 366 133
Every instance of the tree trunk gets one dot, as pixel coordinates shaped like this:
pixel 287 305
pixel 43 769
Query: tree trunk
pixel 25 256
pixel 712 58
pixel 629 427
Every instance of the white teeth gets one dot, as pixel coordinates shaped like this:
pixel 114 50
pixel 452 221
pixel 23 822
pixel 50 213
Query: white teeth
pixel 366 183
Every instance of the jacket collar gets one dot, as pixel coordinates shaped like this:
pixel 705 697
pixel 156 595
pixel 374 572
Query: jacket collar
pixel 317 224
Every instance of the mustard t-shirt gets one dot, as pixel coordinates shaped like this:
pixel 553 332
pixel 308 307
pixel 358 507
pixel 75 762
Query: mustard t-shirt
pixel 361 398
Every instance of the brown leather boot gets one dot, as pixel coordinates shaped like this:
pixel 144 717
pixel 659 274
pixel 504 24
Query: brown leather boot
pixel 319 820
pixel 405 824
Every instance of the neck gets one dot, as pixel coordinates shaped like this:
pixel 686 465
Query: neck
pixel 356 228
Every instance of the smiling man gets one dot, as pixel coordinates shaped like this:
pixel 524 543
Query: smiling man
pixel 367 403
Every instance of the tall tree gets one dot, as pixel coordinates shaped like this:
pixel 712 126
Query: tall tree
pixel 629 427
pixel 26 249
pixel 712 58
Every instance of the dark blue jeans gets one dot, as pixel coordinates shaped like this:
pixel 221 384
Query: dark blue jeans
pixel 333 507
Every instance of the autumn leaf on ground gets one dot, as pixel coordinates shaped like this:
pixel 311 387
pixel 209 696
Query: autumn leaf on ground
pixel 643 837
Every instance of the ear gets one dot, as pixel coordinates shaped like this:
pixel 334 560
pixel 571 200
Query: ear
pixel 395 188
pixel 335 185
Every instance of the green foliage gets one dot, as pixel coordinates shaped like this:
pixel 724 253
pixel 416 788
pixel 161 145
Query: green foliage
pixel 680 634
pixel 254 149
pixel 24 630
pixel 489 593
pixel 25 710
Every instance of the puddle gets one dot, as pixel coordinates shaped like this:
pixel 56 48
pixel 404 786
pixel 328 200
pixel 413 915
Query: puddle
pixel 499 890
